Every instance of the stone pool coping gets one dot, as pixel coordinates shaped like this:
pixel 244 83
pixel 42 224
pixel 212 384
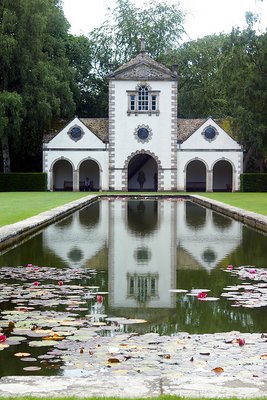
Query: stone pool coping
pixel 119 385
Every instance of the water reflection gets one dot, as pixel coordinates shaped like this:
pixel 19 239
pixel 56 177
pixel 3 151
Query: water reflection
pixel 146 248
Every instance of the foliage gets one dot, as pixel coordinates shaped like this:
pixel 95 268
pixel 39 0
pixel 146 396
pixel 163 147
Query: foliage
pixel 253 182
pixel 200 91
pixel 34 69
pixel 244 75
pixel 21 182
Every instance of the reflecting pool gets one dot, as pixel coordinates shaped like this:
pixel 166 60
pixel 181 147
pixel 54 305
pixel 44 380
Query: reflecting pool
pixel 146 260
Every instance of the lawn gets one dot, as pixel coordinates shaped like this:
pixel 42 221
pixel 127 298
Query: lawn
pixel 256 202
pixel 16 206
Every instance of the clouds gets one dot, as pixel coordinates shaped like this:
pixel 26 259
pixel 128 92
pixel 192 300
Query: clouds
pixel 204 17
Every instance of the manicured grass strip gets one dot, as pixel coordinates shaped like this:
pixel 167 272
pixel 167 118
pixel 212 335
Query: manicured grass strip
pixel 256 202
pixel 16 206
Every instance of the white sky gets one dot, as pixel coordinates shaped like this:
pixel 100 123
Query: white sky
pixel 204 16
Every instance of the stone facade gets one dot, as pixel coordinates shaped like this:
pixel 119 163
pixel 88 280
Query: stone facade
pixel 142 145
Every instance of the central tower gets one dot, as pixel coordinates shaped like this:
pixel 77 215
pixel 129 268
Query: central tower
pixel 142 126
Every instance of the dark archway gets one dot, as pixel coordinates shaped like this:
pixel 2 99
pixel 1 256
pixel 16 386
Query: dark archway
pixel 62 175
pixel 89 176
pixel 222 176
pixel 196 176
pixel 142 173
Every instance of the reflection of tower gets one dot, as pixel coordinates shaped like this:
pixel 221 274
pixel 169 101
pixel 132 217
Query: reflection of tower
pixel 142 253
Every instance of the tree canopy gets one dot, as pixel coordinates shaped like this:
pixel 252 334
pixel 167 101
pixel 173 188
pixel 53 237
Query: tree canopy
pixel 35 75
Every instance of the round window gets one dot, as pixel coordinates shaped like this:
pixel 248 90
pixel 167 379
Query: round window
pixel 143 133
pixel 210 133
pixel 76 133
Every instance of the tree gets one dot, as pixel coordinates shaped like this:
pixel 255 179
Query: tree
pixel 35 77
pixel 201 93
pixel 245 79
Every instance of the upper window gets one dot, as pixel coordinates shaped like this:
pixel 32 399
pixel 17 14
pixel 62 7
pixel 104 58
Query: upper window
pixel 210 133
pixel 143 100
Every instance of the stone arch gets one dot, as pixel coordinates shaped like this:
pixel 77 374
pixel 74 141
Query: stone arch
pixel 90 172
pixel 61 173
pixel 222 175
pixel 195 172
pixel 150 164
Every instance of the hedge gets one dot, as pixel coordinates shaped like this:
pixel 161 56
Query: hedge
pixel 253 182
pixel 23 182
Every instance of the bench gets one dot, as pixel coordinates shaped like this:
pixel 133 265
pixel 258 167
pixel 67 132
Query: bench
pixel 196 186
pixel 68 185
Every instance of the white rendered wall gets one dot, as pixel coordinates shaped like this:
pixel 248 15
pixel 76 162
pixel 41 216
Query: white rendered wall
pixel 196 147
pixel 89 147
pixel 125 125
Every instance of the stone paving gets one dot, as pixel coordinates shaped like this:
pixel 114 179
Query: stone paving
pixel 211 365
pixel 218 365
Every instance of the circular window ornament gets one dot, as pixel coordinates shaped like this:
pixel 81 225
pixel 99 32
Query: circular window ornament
pixel 143 133
pixel 76 133
pixel 210 133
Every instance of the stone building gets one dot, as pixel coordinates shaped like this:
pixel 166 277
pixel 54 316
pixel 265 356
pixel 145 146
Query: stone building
pixel 142 145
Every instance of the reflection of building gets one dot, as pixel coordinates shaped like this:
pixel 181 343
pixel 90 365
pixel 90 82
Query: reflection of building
pixel 147 240
pixel 142 145
pixel 142 253
pixel 205 235
pixel 77 238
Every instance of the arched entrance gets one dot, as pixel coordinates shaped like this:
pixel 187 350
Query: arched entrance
pixel 62 175
pixel 222 176
pixel 89 175
pixel 196 176
pixel 142 173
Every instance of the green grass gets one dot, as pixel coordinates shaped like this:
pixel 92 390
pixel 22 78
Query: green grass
pixel 256 202
pixel 16 206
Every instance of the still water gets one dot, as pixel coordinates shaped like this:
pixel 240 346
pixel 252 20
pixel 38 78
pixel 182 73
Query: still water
pixel 137 251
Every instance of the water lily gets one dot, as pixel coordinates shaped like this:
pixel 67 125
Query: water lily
pixel 60 283
pixel 29 265
pixel 99 299
pixel 241 342
pixel 201 295
pixel 229 267
pixel 252 271
pixel 2 338
pixel 36 283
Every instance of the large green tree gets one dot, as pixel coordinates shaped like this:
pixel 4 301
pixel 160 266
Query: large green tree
pixel 35 77
pixel 201 93
pixel 244 75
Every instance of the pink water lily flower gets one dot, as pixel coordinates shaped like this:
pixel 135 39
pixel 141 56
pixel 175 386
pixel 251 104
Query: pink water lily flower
pixel 99 299
pixel 2 338
pixel 201 295
pixel 36 283
pixel 60 283
pixel 241 342
pixel 230 267
pixel 29 265
pixel 252 271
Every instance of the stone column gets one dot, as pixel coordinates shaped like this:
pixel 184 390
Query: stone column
pixel 209 185
pixel 76 186
pixel 51 180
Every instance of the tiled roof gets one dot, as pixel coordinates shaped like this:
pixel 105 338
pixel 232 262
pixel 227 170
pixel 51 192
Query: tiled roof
pixel 99 127
pixel 142 58
pixel 186 127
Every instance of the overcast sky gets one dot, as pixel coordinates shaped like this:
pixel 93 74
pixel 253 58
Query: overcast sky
pixel 204 16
